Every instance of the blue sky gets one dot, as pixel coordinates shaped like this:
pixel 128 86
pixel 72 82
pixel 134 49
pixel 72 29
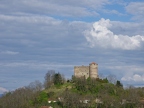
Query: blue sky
pixel 41 35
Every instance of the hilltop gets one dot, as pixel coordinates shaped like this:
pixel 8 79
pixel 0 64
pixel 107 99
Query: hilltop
pixel 73 93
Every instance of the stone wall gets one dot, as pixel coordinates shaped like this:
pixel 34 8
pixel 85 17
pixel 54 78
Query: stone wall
pixel 93 70
pixel 81 71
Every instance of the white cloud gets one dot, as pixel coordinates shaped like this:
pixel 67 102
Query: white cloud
pixel 134 77
pixel 136 9
pixel 2 90
pixel 35 65
pixel 9 52
pixel 90 3
pixel 100 35
pixel 127 28
pixel 113 12
pixel 32 31
pixel 53 7
pixel 30 19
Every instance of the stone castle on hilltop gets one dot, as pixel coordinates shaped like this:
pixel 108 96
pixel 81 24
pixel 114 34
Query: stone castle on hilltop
pixel 86 71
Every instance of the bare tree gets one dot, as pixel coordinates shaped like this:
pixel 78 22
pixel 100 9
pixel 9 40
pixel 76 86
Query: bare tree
pixel 112 79
pixel 49 78
pixel 35 86
pixel 71 100
pixel 101 76
pixel 19 98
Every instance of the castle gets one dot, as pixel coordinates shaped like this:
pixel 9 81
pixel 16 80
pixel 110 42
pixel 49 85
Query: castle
pixel 86 71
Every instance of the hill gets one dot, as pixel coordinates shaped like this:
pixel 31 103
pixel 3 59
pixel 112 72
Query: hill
pixel 73 93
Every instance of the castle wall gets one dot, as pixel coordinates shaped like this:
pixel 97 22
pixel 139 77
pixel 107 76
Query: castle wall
pixel 81 71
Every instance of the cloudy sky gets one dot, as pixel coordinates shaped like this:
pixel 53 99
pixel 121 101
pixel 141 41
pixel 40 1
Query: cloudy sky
pixel 41 35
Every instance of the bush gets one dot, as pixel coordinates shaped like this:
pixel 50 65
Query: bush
pixel 42 98
pixel 50 94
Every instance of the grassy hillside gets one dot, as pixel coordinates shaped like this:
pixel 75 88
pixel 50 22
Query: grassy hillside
pixel 75 93
pixel 110 95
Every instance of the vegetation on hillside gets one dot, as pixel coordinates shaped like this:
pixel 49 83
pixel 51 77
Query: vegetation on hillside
pixel 74 93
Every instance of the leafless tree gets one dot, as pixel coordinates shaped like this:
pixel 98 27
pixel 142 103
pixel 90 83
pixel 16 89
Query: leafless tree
pixel 49 78
pixel 35 86
pixel 112 79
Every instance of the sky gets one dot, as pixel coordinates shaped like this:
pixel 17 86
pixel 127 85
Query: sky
pixel 41 35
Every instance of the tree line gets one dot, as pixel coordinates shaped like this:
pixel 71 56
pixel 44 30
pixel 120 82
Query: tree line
pixel 32 96
pixel 74 93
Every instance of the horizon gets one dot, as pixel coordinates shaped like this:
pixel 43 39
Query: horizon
pixel 37 36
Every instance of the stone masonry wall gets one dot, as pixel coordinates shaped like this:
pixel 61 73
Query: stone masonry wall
pixel 81 71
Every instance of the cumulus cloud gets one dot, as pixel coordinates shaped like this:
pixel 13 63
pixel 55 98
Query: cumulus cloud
pixel 9 52
pixel 2 90
pixel 101 35
pixel 135 78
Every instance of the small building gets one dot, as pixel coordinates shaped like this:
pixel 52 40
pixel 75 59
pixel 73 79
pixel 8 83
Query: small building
pixel 86 71
pixel 51 101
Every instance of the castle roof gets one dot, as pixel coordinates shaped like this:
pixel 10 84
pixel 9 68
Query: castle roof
pixel 93 63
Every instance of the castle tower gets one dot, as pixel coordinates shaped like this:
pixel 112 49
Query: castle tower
pixel 93 70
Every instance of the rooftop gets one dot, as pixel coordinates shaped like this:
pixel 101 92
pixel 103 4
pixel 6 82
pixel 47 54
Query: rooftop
pixel 93 63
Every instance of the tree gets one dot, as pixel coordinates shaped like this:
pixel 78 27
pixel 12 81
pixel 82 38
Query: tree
pixel 49 78
pixel 112 79
pixel 58 79
pixel 119 84
pixel 20 98
pixel 70 100
pixel 35 86
pixel 53 78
